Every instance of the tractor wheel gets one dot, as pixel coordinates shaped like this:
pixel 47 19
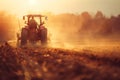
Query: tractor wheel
pixel 24 36
pixel 43 37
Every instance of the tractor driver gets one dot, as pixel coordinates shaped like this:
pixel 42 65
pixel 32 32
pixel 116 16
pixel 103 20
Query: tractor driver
pixel 32 23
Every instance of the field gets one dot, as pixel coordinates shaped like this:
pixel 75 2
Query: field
pixel 59 64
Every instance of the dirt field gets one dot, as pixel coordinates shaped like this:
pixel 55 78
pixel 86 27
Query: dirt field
pixel 58 64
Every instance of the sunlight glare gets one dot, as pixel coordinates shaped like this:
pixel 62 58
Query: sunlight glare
pixel 32 2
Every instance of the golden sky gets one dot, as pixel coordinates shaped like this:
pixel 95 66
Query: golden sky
pixel 19 7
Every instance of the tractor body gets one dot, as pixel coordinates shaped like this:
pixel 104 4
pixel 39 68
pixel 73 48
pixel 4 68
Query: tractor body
pixel 33 31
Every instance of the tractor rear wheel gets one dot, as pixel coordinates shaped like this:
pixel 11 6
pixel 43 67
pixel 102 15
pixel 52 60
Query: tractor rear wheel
pixel 43 37
pixel 24 36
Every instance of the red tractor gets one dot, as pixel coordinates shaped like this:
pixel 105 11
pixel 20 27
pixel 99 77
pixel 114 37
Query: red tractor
pixel 33 31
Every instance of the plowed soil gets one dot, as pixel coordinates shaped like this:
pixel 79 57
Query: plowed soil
pixel 57 64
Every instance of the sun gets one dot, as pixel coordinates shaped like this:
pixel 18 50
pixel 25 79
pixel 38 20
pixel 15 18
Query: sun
pixel 32 6
pixel 32 2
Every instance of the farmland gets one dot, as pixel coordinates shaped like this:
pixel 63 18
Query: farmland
pixel 40 63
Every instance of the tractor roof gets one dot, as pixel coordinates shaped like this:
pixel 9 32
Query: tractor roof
pixel 34 15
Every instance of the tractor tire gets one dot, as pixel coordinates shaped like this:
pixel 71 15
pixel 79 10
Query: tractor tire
pixel 24 36
pixel 43 37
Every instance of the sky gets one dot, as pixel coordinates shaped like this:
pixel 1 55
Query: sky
pixel 21 7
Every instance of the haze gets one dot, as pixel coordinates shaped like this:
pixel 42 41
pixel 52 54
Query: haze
pixel 21 7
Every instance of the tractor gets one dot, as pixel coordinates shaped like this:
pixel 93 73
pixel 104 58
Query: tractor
pixel 33 31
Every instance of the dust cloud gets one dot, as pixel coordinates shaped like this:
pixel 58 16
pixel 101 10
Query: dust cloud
pixel 8 26
pixel 68 30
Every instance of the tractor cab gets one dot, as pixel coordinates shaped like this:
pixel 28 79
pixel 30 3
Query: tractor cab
pixel 28 18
